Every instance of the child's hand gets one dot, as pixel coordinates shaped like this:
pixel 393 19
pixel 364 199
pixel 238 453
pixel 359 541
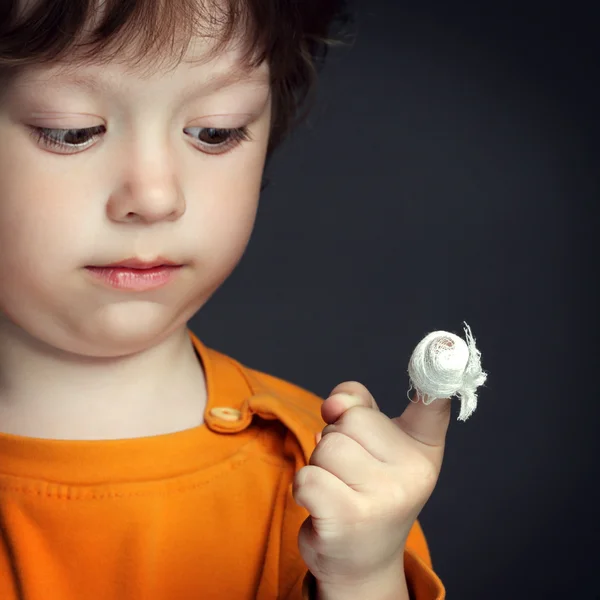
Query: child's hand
pixel 366 483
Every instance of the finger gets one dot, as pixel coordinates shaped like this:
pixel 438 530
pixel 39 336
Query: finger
pixel 426 423
pixel 374 432
pixel 345 396
pixel 322 494
pixel 341 456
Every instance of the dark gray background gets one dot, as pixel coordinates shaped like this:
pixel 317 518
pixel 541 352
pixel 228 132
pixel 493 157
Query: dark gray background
pixel 450 172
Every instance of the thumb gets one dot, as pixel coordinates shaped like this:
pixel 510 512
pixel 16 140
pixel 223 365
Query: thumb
pixel 441 361
pixel 426 423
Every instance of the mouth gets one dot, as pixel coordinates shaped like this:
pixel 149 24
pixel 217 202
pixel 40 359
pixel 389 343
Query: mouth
pixel 136 263
pixel 136 275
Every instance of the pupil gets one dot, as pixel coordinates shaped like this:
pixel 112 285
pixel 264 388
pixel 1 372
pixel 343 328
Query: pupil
pixel 213 135
pixel 75 137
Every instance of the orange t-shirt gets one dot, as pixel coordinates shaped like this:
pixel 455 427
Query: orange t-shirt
pixel 203 513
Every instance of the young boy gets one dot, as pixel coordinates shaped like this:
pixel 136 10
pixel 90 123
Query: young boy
pixel 135 462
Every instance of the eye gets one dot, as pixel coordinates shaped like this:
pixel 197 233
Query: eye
pixel 218 141
pixel 67 140
pixel 71 141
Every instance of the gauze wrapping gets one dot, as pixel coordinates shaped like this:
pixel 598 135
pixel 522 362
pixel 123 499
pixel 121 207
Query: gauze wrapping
pixel 444 365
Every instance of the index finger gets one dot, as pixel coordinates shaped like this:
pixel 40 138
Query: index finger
pixel 345 396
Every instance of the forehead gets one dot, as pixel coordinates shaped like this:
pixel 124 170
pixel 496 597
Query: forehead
pixel 216 70
pixel 197 39
pixel 200 62
pixel 157 34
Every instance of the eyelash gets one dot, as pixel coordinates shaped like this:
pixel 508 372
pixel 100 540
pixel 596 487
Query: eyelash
pixel 46 136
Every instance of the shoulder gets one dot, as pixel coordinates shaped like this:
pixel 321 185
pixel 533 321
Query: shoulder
pixel 295 407
pixel 292 399
pixel 267 396
pixel 291 392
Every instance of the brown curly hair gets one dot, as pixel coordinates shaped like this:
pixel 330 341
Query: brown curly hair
pixel 293 36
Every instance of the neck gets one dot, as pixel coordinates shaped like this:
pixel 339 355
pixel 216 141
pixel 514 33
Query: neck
pixel 47 393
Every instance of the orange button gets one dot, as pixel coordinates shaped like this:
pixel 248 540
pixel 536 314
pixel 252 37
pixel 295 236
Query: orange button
pixel 225 413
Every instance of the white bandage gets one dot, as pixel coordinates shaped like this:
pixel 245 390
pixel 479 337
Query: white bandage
pixel 442 366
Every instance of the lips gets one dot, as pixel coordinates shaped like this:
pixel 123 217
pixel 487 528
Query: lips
pixel 136 263
pixel 135 275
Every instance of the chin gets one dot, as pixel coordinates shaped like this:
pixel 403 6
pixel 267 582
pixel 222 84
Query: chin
pixel 125 334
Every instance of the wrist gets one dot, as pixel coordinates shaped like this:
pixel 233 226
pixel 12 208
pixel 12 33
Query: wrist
pixel 392 586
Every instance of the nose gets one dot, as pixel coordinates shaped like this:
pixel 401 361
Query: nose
pixel 147 193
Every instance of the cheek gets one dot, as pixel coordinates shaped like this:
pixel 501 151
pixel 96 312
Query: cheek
pixel 40 210
pixel 226 213
pixel 226 226
pixel 36 225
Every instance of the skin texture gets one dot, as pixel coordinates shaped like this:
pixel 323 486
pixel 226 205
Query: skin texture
pixel 148 186
pixel 367 480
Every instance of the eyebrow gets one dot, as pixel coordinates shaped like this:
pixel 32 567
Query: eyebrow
pixel 213 83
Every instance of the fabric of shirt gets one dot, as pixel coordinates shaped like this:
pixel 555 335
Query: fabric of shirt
pixel 206 513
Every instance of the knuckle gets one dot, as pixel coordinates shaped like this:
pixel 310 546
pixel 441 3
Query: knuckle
pixel 353 418
pixel 330 444
pixel 303 481
pixel 332 448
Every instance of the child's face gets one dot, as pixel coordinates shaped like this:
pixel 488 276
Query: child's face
pixel 152 181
